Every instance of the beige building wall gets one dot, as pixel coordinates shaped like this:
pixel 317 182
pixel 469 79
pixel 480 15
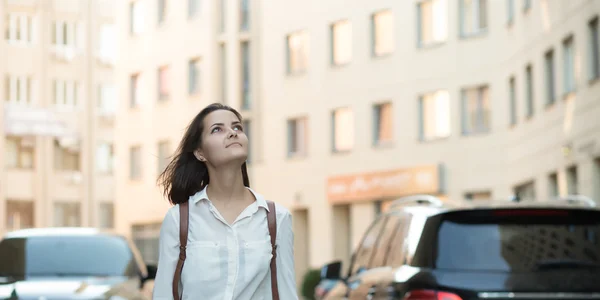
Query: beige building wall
pixel 56 59
pixel 207 31
pixel 555 137
pixel 335 195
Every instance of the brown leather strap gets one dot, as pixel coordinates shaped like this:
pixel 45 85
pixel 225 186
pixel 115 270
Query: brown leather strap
pixel 184 217
pixel 183 237
pixel 272 222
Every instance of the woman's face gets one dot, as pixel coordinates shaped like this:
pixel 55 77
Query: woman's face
pixel 223 139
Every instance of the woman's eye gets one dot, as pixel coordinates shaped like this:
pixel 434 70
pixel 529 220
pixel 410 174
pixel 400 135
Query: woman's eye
pixel 215 129
pixel 238 127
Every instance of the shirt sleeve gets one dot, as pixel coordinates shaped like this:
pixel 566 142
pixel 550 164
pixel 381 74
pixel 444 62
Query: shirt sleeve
pixel 168 254
pixel 286 275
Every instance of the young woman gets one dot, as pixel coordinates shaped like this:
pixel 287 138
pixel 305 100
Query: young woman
pixel 229 248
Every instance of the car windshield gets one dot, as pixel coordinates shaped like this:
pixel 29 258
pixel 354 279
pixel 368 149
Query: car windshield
pixel 519 243
pixel 66 256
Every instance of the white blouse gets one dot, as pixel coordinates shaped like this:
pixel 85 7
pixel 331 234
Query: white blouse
pixel 223 261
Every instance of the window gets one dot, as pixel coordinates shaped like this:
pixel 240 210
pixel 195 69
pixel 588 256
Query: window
pixel 107 44
pixel 596 178
pixel 398 256
pixel 510 9
pixel 164 152
pixel 146 237
pixel 193 8
pixel 247 127
pixel 529 91
pixel 343 130
pixel 473 17
pixel 432 21
pixel 526 191
pixel 384 245
pixel 383 32
pixel 476 110
pixel 194 76
pixel 550 80
pixel 479 196
pixel 67 35
pixel 568 65
pixel 134 98
pixel 162 11
pixel 297 137
pixel 106 215
pixel 66 93
pixel 135 163
pixel 223 16
pixel 67 214
pixel 383 124
pixel 434 112
pixel 553 185
pixel 223 56
pixel 19 214
pixel 105 158
pixel 20 152
pixel 19 90
pixel 20 28
pixel 341 42
pixel 164 86
pixel 66 156
pixel 244 15
pixel 513 100
pixel 594 50
pixel 297 50
pixel 368 246
pixel 572 181
pixel 526 5
pixel 246 84
pixel 107 99
pixel 136 16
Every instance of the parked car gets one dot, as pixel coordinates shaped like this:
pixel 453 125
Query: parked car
pixel 425 249
pixel 71 263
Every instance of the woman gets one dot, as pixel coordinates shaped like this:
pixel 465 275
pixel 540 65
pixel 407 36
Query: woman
pixel 228 249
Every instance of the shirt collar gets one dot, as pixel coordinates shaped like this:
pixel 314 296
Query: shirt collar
pixel 202 195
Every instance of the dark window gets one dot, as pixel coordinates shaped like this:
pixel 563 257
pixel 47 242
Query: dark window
pixel 518 244
pixel 66 256
pixel 368 245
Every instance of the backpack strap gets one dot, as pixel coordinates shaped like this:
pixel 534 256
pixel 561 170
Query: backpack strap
pixel 183 237
pixel 272 222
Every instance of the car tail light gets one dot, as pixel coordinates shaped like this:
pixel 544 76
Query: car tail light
pixel 430 295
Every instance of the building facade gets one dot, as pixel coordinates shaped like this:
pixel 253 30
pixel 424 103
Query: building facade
pixel 57 115
pixel 353 106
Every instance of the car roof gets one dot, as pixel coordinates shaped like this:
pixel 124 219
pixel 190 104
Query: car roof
pixel 427 205
pixel 58 231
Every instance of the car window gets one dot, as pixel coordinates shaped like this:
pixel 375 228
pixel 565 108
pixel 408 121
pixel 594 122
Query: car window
pixel 66 256
pixel 384 241
pixel 367 246
pixel 398 248
pixel 521 244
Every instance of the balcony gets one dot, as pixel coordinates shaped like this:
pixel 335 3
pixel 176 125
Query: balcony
pixel 66 185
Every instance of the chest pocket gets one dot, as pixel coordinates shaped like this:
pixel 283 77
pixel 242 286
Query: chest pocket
pixel 203 262
pixel 256 256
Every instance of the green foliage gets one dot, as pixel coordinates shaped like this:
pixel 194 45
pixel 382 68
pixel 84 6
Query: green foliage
pixel 309 283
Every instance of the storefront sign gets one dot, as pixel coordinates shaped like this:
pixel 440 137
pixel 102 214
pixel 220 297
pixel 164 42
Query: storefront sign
pixel 382 185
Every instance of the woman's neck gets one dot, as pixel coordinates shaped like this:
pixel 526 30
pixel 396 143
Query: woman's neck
pixel 226 185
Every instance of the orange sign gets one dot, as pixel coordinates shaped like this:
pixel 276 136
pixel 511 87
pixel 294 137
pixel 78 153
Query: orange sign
pixel 386 184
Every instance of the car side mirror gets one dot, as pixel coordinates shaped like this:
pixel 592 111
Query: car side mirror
pixel 332 270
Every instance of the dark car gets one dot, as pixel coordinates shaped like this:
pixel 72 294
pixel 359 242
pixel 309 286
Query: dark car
pixel 423 249
pixel 71 263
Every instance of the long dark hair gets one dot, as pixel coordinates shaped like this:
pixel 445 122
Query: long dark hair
pixel 186 175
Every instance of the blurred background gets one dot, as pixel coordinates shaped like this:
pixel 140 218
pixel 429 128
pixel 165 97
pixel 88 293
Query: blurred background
pixel 348 105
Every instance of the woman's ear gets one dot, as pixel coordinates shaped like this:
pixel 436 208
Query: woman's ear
pixel 198 155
